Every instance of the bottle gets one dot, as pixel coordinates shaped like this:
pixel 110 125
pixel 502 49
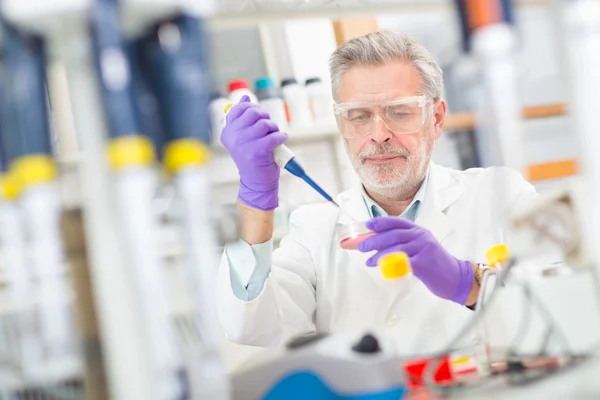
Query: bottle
pixel 217 116
pixel 271 102
pixel 238 88
pixel 296 99
pixel 321 102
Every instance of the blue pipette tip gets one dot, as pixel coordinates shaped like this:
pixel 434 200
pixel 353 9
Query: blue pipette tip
pixel 296 169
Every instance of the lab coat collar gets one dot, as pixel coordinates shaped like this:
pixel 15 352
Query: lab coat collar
pixel 443 189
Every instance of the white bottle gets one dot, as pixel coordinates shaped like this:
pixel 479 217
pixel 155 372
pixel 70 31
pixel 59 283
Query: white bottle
pixel 296 100
pixel 321 102
pixel 271 103
pixel 239 88
pixel 217 116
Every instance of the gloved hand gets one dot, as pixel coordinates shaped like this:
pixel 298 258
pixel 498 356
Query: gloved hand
pixel 443 274
pixel 250 137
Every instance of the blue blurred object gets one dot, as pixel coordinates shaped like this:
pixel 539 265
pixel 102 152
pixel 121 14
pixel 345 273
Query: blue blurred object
pixel 24 76
pixel 306 385
pixel 113 70
pixel 176 54
pixel 322 366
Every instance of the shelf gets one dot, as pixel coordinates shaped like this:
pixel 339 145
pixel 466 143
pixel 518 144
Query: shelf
pixel 467 121
pixel 240 12
pixel 249 12
pixel 299 136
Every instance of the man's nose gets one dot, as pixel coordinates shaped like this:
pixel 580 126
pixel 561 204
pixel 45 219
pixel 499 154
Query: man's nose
pixel 381 133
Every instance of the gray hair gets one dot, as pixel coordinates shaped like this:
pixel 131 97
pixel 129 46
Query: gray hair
pixel 379 48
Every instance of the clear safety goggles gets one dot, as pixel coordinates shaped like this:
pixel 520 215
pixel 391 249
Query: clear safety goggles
pixel 401 116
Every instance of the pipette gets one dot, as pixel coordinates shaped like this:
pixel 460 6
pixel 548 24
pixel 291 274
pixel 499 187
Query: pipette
pixel 284 157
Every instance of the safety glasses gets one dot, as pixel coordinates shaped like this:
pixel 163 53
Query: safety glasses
pixel 402 116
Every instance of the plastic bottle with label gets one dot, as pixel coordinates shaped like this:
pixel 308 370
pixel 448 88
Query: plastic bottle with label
pixel 296 100
pixel 271 102
pixel 321 102
pixel 238 88
pixel 217 115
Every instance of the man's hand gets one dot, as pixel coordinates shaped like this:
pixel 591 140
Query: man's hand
pixel 443 274
pixel 250 137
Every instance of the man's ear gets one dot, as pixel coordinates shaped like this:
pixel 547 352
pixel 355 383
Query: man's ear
pixel 439 116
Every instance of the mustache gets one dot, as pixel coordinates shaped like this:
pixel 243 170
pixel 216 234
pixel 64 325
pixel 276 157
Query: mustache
pixel 382 149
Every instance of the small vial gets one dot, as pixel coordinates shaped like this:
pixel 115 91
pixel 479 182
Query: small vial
pixel 351 235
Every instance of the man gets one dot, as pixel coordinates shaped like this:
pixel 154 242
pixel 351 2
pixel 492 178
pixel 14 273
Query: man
pixel 387 89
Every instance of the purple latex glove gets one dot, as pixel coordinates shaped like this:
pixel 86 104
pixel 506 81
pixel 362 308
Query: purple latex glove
pixel 250 137
pixel 443 274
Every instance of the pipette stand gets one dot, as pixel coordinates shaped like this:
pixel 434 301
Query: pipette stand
pixel 64 25
pixel 172 36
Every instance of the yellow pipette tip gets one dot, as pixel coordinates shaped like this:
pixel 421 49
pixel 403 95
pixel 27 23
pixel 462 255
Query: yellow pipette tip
pixel 227 107
pixel 395 265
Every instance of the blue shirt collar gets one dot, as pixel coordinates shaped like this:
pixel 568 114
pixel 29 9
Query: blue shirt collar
pixel 411 211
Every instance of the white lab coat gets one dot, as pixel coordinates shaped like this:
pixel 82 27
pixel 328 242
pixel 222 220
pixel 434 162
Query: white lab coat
pixel 316 285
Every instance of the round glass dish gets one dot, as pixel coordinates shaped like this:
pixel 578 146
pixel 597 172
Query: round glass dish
pixel 351 235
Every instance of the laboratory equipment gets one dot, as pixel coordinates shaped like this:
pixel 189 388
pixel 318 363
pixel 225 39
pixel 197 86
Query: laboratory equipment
pixel 491 38
pixel 349 236
pixel 297 103
pixel 183 98
pixel 20 343
pixel 239 88
pixel 131 158
pixel 27 143
pixel 271 102
pixel 66 28
pixel 321 103
pixel 324 366
pixel 217 105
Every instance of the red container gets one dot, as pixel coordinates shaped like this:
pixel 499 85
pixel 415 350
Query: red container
pixel 415 369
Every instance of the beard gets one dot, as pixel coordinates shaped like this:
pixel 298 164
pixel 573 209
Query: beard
pixel 394 180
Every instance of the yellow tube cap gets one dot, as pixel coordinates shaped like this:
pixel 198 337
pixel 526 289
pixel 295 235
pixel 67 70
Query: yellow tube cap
pixel 395 265
pixel 497 254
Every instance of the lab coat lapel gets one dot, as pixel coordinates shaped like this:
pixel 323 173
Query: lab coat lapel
pixel 442 190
